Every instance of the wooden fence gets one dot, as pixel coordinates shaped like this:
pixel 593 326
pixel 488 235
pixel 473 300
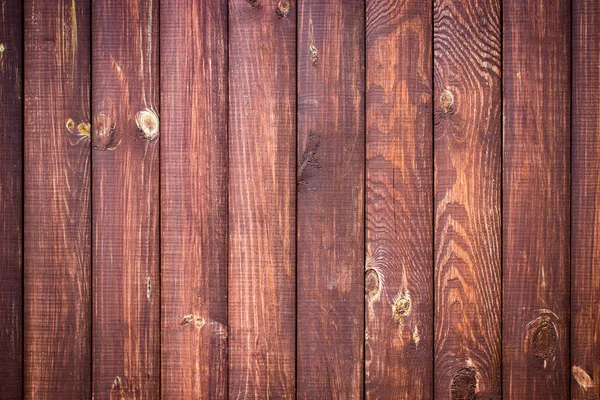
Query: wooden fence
pixel 313 199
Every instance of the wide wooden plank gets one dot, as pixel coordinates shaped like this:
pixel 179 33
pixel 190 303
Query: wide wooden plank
pixel 193 69
pixel 331 136
pixel 585 226
pixel 536 204
pixel 399 230
pixel 11 200
pixel 125 199
pixel 467 159
pixel 262 140
pixel 57 255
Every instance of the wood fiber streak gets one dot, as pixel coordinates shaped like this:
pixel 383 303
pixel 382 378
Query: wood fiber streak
pixel 57 318
pixel 331 136
pixel 467 159
pixel 193 70
pixel 585 228
pixel 125 186
pixel 262 248
pixel 398 348
pixel 11 200
pixel 536 204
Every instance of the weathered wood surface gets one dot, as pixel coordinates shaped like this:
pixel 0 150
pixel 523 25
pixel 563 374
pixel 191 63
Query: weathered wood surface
pixel 331 135
pixel 585 226
pixel 194 199
pixel 262 139
pixel 467 159
pixel 125 199
pixel 57 255
pixel 399 178
pixel 536 206
pixel 11 200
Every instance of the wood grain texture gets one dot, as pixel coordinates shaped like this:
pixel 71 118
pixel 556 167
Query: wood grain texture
pixel 57 255
pixel 11 200
pixel 399 231
pixel 467 158
pixel 193 68
pixel 262 139
pixel 536 205
pixel 125 199
pixel 585 226
pixel 331 136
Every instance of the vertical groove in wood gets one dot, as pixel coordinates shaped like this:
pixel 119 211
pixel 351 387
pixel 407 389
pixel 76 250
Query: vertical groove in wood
pixel 467 159
pixel 536 189
pixel 193 71
pixel 399 231
pixel 11 200
pixel 262 138
pixel 585 268
pixel 331 134
pixel 125 190
pixel 57 318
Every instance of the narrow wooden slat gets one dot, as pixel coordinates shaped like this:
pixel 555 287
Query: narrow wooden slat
pixel 536 80
pixel 585 228
pixel 262 138
pixel 467 153
pixel 193 70
pixel 399 231
pixel 125 199
pixel 11 200
pixel 331 135
pixel 57 307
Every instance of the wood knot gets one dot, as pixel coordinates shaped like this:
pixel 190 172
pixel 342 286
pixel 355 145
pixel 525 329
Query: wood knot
pixel 543 342
pixel 314 54
pixel 254 3
pixel 147 123
pixel 401 308
pixel 84 129
pixel 283 8
pixel 582 377
pixel 195 320
pixel 372 284
pixel 70 124
pixel 104 128
pixel 464 384
pixel 2 48
pixel 446 100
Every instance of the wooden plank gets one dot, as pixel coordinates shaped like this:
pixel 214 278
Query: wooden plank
pixel 399 231
pixel 11 200
pixel 262 139
pixel 536 204
pixel 125 199
pixel 331 135
pixel 193 72
pixel 467 159
pixel 57 255
pixel 585 226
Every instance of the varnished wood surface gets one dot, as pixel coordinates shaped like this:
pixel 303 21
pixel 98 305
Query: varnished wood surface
pixel 194 199
pixel 125 191
pixel 467 152
pixel 399 229
pixel 585 195
pixel 331 135
pixel 57 296
pixel 11 200
pixel 262 245
pixel 536 205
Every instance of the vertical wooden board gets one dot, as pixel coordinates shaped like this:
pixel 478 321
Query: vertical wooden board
pixel 467 159
pixel 262 139
pixel 399 231
pixel 125 199
pixel 193 72
pixel 585 228
pixel 11 200
pixel 331 135
pixel 57 255
pixel 536 204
